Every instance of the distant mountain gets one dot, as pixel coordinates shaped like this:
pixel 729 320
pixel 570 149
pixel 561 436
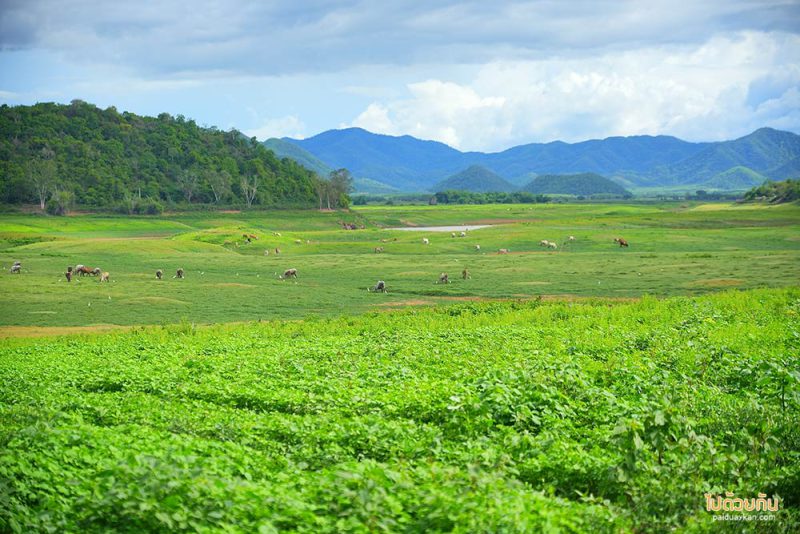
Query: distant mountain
pixel 287 149
pixel 410 164
pixel 760 151
pixel 586 183
pixel 403 162
pixel 477 179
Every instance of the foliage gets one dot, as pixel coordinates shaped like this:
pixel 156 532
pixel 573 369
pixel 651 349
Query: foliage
pixel 106 158
pixel 775 192
pixel 479 417
pixel 493 197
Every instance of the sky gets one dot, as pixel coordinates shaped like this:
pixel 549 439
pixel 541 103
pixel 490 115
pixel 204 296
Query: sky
pixel 476 75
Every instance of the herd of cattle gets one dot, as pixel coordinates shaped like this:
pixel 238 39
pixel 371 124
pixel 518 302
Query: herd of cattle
pixel 380 286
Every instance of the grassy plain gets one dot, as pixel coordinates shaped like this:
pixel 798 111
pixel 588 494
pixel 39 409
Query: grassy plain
pixel 676 249
pixel 499 412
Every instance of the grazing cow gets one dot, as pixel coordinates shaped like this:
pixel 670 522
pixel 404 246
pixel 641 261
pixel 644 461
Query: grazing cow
pixel 104 277
pixel 462 234
pixel 277 234
pixel 298 241
pixel 478 248
pixel 97 271
pixel 571 238
pixel 159 274
pixel 253 236
pixel 289 273
pixel 379 287
pixel 503 251
pixel 443 279
pixel 552 245
pixel 465 274
pixel 83 270
pixel 178 274
pixel 68 274
pixel 426 241
pixel 378 250
pixel 452 234
pixel 544 243
pixel 277 250
pixel 78 267
pixel 622 242
pixel 266 252
pixel 16 268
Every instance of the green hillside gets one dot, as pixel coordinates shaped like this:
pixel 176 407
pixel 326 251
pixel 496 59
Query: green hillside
pixel 738 177
pixel 104 158
pixel 575 184
pixel 477 179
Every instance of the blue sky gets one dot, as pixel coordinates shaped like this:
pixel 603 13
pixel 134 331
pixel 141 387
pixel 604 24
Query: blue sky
pixel 476 75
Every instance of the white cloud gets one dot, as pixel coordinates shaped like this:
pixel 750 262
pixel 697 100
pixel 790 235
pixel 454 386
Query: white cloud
pixel 695 92
pixel 289 126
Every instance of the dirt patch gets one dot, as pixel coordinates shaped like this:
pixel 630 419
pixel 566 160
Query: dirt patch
pixel 154 300
pixel 229 211
pixel 716 282
pixel 408 223
pixel 44 331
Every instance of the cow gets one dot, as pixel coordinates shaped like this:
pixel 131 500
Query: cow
pixel 478 248
pixel 379 287
pixel 552 245
pixel 378 250
pixel 83 270
pixel 159 274
pixel 462 234
pixel 277 250
pixel 571 238
pixel 104 277
pixel 97 271
pixel 452 234
pixel 289 273
pixel 276 234
pixel 266 252
pixel 178 274
pixel 443 279
pixel 68 274
pixel 622 242
pixel 16 268
pixel 544 243
pixel 426 241
pixel 503 251
pixel 298 241
pixel 465 274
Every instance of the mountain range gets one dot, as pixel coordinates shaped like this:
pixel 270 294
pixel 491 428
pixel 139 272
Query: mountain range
pixel 383 163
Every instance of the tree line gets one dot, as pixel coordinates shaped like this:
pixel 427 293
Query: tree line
pixel 60 156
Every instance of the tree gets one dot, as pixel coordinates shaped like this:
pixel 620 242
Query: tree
pixel 341 183
pixel 249 186
pixel 321 187
pixel 220 184
pixel 188 184
pixel 42 174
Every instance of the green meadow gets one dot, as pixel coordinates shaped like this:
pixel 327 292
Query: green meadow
pixel 675 249
pixel 590 388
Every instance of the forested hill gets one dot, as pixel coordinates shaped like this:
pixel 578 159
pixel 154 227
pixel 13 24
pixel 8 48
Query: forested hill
pixel 104 158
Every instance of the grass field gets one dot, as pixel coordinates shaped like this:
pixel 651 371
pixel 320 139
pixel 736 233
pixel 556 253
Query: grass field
pixel 676 249
pixel 643 379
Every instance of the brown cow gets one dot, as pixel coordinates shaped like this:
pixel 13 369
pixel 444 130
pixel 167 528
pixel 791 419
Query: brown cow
pixel 83 270
pixel 68 274
pixel 378 250
pixel 622 242
pixel 289 273
pixel 465 274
